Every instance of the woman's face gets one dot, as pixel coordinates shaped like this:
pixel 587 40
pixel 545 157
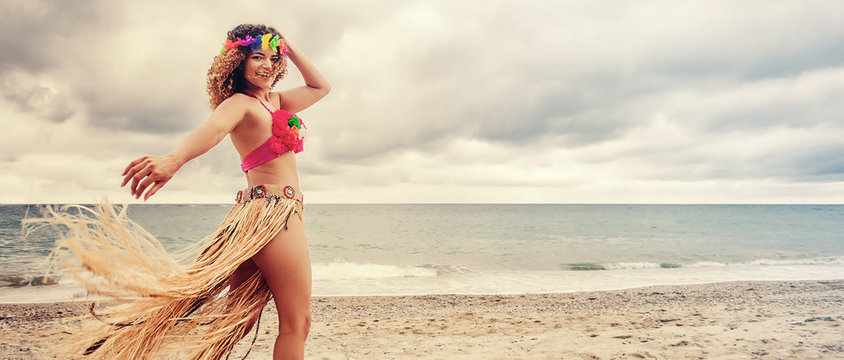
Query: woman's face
pixel 259 70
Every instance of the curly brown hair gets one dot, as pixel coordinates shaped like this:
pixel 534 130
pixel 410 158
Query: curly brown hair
pixel 225 77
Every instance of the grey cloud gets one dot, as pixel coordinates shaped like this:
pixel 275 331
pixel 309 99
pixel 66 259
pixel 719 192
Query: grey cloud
pixel 74 44
pixel 318 168
pixel 583 116
pixel 9 157
pixel 348 146
pixel 222 159
pixel 823 163
pixel 788 60
pixel 30 96
pixel 773 115
pixel 513 84
pixel 319 25
pixel 119 112
pixel 699 162
pixel 33 29
pixel 559 74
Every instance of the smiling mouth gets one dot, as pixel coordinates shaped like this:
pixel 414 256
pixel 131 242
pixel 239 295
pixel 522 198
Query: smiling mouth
pixel 264 75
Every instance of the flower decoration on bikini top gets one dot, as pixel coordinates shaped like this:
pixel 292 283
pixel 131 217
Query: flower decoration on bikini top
pixel 288 133
pixel 281 116
pixel 263 42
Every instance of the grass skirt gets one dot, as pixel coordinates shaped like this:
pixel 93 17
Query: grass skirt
pixel 167 309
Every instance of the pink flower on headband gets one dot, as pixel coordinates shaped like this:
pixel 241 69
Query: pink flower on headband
pixel 283 49
pixel 247 41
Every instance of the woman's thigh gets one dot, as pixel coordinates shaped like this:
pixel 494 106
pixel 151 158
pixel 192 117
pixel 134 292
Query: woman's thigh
pixel 286 266
pixel 243 272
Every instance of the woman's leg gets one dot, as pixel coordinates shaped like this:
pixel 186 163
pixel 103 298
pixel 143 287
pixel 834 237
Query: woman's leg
pixel 243 272
pixel 286 265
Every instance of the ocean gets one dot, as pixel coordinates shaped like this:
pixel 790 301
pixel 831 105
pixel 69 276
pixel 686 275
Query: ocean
pixel 409 249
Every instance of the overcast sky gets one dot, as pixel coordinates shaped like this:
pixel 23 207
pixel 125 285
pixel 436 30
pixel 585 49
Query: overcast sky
pixel 443 101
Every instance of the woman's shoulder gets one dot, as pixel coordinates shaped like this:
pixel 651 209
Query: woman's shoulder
pixel 239 99
pixel 234 109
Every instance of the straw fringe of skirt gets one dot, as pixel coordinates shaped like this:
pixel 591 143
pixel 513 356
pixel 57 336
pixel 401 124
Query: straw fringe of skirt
pixel 166 310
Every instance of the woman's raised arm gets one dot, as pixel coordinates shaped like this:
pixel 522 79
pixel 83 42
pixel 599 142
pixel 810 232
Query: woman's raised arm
pixel 157 170
pixel 315 88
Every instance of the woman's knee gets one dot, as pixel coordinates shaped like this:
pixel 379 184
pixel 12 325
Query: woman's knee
pixel 295 325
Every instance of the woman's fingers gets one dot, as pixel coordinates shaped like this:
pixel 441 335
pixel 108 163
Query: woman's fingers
pixel 129 175
pixel 133 163
pixel 144 184
pixel 148 173
pixel 137 179
pixel 154 189
pixel 133 169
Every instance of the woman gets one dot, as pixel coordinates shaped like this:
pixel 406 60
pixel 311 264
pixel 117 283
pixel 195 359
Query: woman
pixel 259 252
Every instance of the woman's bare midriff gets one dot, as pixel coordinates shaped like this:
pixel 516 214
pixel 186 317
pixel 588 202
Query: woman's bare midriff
pixel 281 171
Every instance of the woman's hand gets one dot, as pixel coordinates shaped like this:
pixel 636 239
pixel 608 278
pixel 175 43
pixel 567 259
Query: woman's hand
pixel 150 170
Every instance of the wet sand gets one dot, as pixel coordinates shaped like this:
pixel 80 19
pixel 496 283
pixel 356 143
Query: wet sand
pixel 734 320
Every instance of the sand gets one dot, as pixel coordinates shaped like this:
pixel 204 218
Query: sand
pixel 735 320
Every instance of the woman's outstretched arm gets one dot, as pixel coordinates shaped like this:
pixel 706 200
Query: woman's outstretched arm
pixel 315 88
pixel 157 170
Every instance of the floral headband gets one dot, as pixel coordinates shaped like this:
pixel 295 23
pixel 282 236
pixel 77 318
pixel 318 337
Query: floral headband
pixel 262 42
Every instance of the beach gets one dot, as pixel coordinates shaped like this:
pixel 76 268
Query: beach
pixel 728 320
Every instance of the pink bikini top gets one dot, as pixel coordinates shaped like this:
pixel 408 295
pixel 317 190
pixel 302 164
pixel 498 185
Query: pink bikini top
pixel 288 135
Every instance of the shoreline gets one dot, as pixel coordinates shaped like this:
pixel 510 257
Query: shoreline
pixel 516 282
pixel 742 319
